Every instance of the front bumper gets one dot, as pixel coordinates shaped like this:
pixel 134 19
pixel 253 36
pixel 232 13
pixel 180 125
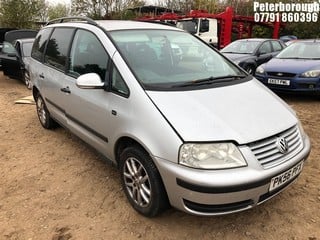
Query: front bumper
pixel 297 84
pixel 218 192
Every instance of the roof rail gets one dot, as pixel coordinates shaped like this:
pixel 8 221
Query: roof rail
pixel 70 19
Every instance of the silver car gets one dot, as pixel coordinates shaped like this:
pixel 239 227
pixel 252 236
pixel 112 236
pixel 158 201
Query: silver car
pixel 185 126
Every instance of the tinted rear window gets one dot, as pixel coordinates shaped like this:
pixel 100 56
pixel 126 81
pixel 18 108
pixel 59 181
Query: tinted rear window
pixel 58 47
pixel 40 43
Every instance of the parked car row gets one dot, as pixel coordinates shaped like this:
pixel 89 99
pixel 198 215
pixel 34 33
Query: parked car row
pixel 15 54
pixel 15 60
pixel 295 68
pixel 250 53
pixel 3 32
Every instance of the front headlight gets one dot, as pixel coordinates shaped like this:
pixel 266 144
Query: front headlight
pixel 302 132
pixel 211 156
pixel 260 70
pixel 311 74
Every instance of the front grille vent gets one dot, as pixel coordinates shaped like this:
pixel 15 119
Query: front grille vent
pixel 281 74
pixel 268 152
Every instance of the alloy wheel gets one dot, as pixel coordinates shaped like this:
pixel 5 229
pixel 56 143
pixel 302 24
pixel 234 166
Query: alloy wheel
pixel 137 182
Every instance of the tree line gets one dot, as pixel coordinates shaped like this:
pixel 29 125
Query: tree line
pixel 31 13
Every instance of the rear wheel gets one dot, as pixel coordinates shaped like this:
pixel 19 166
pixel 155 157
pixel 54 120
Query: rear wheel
pixel 43 114
pixel 27 81
pixel 141 182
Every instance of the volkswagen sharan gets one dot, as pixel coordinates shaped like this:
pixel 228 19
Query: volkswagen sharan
pixel 185 126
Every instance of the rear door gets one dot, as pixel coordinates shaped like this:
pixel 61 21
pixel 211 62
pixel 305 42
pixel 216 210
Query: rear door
pixel 53 76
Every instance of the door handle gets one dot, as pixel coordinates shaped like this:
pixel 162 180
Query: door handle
pixel 66 90
pixel 41 75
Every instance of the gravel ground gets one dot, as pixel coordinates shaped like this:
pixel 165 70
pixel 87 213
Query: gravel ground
pixel 53 186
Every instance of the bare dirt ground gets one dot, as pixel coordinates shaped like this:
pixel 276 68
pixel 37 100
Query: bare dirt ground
pixel 53 186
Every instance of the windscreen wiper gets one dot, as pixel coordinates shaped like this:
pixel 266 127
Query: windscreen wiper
pixel 229 52
pixel 211 80
pixel 291 58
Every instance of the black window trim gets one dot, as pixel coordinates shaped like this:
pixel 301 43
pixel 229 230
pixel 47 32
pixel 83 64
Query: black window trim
pixel 45 47
pixel 68 52
pixel 109 88
pixel 67 72
pixel 276 41
pixel 263 42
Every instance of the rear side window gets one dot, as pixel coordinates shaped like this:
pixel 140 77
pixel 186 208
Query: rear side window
pixel 58 46
pixel 40 43
pixel 276 46
pixel 265 48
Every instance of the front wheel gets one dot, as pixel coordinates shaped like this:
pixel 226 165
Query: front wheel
pixel 43 114
pixel 142 183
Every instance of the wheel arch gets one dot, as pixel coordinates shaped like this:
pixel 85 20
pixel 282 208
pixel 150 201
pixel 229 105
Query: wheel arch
pixel 124 142
pixel 164 202
pixel 35 92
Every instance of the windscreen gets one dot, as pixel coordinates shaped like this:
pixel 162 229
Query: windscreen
pixel 241 47
pixel 304 50
pixel 166 58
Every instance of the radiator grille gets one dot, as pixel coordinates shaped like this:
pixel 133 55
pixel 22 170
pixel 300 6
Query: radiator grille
pixel 281 74
pixel 268 152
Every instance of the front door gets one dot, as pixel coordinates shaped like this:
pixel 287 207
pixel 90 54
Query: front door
pixel 88 109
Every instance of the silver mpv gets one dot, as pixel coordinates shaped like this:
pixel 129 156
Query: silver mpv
pixel 185 126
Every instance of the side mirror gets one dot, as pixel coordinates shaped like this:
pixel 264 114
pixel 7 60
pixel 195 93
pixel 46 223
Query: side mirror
pixel 89 81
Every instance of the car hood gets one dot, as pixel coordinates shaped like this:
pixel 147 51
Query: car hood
pixel 291 65
pixel 243 113
pixel 237 57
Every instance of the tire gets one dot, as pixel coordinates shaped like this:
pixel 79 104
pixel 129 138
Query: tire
pixel 43 114
pixel 250 69
pixel 142 182
pixel 26 79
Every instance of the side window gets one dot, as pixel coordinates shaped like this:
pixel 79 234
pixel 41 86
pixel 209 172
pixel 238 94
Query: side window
pixel 118 85
pixel 204 25
pixel 58 46
pixel 265 48
pixel 276 46
pixel 40 43
pixel 87 55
